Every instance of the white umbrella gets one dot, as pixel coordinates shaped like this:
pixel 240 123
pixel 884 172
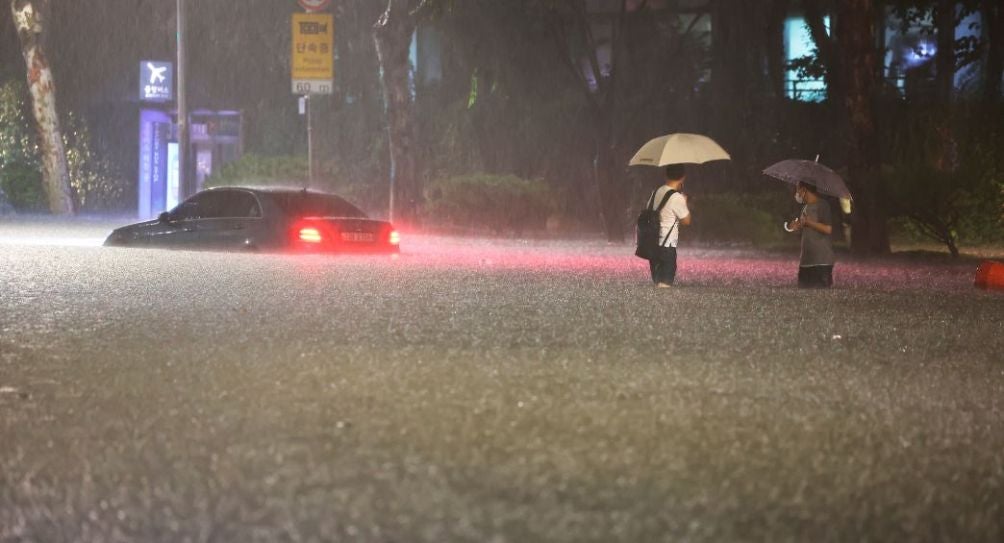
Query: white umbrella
pixel 679 149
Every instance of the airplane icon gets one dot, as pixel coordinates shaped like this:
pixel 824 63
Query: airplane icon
pixel 156 74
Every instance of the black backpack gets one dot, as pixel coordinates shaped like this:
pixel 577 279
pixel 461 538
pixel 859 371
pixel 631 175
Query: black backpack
pixel 649 222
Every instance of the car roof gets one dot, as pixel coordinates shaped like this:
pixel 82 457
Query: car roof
pixel 271 190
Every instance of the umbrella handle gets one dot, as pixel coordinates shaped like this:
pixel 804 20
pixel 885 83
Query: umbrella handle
pixel 787 228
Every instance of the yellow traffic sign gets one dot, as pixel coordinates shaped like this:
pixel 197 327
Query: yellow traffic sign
pixel 313 67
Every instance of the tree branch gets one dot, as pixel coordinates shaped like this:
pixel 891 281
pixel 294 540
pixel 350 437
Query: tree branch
pixel 825 44
pixel 587 32
pixel 568 60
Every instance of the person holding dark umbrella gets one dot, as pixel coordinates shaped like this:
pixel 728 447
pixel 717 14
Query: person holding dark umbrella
pixel 815 222
pixel 815 264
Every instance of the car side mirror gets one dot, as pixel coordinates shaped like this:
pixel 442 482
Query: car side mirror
pixel 164 217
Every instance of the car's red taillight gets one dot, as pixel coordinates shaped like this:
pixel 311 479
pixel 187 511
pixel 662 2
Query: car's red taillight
pixel 394 238
pixel 310 235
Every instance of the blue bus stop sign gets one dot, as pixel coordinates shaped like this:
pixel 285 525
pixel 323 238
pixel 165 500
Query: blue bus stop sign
pixel 156 81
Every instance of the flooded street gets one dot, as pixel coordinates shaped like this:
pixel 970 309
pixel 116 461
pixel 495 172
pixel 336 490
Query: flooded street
pixel 491 390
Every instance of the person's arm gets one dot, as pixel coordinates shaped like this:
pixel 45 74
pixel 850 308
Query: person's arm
pixel 679 207
pixel 821 227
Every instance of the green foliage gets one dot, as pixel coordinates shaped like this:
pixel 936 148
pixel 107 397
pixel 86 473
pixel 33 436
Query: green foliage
pixel 737 219
pixel 92 178
pixel 291 171
pixel 20 170
pixel 931 202
pixel 983 217
pixel 276 131
pixel 353 182
pixel 22 183
pixel 254 169
pixel 498 203
pixel 16 143
pixel 809 66
pixel 945 174
pixel 504 105
pixel 95 183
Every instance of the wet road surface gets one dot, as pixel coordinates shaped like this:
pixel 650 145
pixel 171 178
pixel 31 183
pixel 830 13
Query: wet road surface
pixel 474 390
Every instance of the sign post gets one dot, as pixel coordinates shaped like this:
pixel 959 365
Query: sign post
pixel 313 53
pixel 310 141
pixel 313 65
pixel 157 190
pixel 185 184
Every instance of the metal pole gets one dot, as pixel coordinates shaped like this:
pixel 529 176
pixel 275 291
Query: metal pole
pixel 390 203
pixel 310 143
pixel 184 183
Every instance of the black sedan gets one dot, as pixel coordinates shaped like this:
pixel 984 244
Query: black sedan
pixel 239 218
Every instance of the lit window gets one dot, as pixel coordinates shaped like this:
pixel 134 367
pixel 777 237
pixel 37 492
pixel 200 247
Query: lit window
pixel 798 45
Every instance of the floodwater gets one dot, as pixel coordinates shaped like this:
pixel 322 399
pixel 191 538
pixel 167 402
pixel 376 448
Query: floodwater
pixel 491 390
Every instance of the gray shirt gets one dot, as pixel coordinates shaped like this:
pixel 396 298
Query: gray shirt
pixel 817 248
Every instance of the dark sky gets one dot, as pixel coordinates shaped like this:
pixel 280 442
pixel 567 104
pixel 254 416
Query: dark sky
pixel 238 50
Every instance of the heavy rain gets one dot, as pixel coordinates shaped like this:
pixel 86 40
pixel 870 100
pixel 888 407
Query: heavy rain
pixel 366 270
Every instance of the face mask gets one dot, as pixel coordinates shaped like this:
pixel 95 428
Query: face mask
pixel 798 198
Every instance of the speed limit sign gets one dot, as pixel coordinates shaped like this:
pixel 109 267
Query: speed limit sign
pixel 314 5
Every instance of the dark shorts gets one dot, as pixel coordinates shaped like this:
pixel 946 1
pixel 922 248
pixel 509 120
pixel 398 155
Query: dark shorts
pixel 663 267
pixel 815 276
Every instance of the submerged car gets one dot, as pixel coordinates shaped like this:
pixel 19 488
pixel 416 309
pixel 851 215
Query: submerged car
pixel 239 218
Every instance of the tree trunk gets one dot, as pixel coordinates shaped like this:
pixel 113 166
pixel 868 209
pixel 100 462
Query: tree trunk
pixel 731 54
pixel 30 28
pixel 944 16
pixel 774 40
pixel 834 58
pixel 856 38
pixel 953 246
pixel 743 94
pixel 602 106
pixel 609 184
pixel 392 34
pixel 993 14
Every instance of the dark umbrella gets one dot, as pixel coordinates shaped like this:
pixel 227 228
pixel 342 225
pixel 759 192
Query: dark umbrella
pixel 812 173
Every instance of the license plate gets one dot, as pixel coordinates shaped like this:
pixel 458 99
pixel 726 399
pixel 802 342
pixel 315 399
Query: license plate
pixel 357 236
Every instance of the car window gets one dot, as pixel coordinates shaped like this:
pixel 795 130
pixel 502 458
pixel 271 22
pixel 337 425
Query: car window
pixel 205 205
pixel 305 204
pixel 238 203
pixel 186 210
pixel 218 204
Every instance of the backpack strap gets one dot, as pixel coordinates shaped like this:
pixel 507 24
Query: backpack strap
pixel 662 204
pixel 663 244
pixel 665 199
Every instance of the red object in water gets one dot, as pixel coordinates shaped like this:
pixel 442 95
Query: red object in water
pixel 990 274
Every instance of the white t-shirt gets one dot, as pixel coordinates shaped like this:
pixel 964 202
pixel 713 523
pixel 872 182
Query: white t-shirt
pixel 675 209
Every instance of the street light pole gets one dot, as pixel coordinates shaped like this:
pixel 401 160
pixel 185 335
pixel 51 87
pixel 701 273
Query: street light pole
pixel 184 183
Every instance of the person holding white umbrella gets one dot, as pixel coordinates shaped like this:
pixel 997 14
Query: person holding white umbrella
pixel 672 151
pixel 673 213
